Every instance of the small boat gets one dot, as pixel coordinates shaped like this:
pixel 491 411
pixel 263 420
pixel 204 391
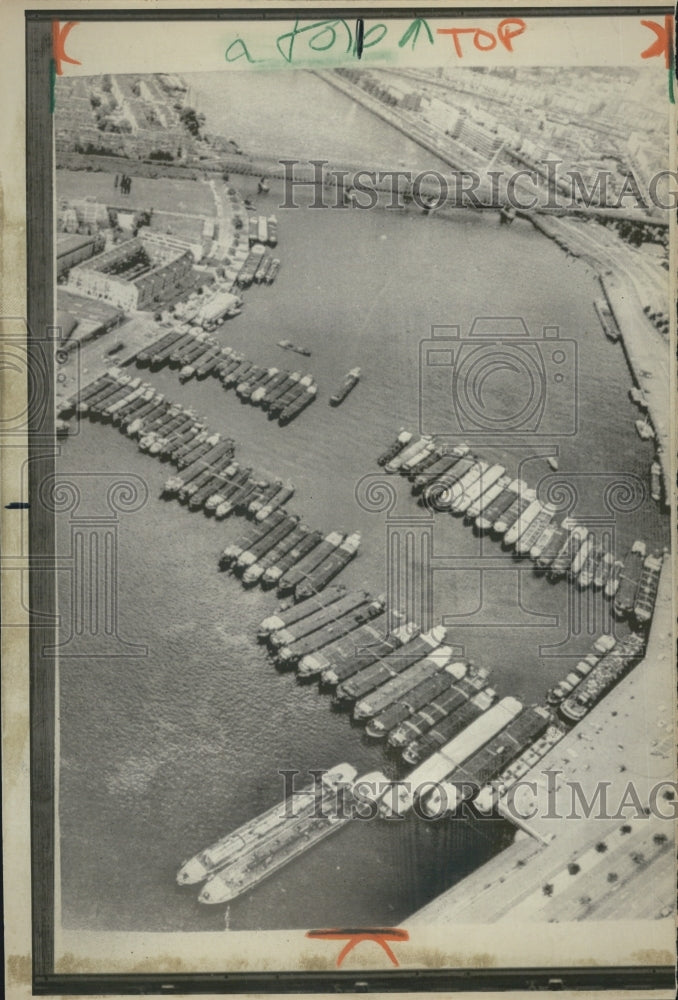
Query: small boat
pixel 287 345
pixel 350 381
pixel 553 462
pixel 656 481
pixel 607 320
pixel 637 396
pixel 645 429
pixel 272 272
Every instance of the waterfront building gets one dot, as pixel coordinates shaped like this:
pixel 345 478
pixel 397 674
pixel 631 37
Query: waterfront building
pixel 81 319
pixel 136 274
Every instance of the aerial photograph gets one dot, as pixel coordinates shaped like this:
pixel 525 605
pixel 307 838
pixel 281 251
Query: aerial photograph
pixel 362 498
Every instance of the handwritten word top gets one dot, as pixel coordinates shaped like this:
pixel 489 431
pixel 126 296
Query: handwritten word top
pixel 308 41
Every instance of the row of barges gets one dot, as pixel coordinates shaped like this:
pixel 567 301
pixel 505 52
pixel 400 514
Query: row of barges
pixel 260 267
pixel 407 685
pixel 277 549
pixel 450 478
pixel 242 859
pixel 282 393
pixel 483 747
pixel 463 740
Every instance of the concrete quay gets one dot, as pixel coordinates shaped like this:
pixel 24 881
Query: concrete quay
pixel 627 739
pixel 646 349
pixel 625 873
pixel 91 360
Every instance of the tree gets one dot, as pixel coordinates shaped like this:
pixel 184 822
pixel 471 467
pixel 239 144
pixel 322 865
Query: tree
pixel 192 121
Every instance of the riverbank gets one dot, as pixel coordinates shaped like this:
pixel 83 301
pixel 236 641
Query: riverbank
pixel 646 350
pixel 398 121
pixel 148 768
pixel 626 738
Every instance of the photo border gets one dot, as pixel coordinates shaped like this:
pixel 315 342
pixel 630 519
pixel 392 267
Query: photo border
pixel 42 586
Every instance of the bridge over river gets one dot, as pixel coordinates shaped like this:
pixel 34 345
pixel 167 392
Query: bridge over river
pixel 468 187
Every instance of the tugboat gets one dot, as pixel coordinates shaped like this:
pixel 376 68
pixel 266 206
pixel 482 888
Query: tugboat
pixel 350 381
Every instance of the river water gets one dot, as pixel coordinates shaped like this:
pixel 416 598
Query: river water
pixel 161 754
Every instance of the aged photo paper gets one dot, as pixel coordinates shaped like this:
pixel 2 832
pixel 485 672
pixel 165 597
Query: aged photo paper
pixel 338 463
